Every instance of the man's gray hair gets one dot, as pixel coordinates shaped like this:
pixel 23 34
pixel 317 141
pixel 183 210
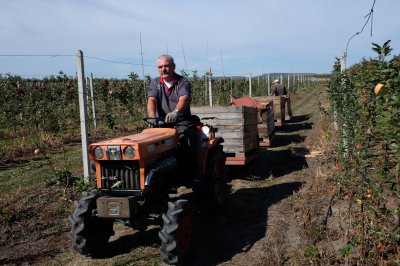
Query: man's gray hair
pixel 170 59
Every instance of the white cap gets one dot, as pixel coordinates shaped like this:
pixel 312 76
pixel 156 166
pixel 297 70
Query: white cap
pixel 276 81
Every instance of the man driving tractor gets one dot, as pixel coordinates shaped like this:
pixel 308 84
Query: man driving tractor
pixel 169 97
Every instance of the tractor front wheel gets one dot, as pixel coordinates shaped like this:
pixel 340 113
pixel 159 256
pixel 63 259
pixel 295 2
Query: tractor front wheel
pixel 177 232
pixel 89 234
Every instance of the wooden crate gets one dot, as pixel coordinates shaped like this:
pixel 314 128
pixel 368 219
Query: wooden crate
pixel 288 108
pixel 266 130
pixel 279 107
pixel 237 125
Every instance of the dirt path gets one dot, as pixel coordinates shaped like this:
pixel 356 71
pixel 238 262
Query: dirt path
pixel 258 226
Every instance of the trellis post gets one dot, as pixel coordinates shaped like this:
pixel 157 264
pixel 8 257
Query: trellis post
pixel 93 100
pixel 344 126
pixel 83 114
pixel 250 92
pixel 210 88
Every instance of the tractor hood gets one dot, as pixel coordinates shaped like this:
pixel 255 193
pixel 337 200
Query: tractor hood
pixel 149 142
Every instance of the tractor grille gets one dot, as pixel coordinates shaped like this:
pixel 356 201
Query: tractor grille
pixel 119 175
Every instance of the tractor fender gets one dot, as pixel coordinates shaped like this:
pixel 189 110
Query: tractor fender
pixel 161 167
pixel 203 150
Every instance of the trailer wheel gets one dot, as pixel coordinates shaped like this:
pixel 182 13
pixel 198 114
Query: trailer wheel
pixel 177 232
pixel 89 234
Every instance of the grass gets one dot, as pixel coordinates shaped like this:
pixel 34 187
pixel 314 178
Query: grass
pixel 39 170
pixel 23 176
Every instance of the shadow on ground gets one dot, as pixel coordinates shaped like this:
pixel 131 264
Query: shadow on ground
pixel 293 127
pixel 242 223
pixel 299 118
pixel 129 241
pixel 271 163
pixel 284 140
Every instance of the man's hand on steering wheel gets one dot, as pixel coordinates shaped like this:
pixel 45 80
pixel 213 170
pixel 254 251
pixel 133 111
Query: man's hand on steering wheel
pixel 172 116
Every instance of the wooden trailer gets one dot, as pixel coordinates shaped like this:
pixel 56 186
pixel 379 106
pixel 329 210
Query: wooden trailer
pixel 266 124
pixel 238 127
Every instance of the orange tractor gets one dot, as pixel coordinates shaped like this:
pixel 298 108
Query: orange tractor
pixel 136 177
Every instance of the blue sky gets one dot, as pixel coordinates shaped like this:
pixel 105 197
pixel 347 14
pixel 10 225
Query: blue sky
pixel 232 37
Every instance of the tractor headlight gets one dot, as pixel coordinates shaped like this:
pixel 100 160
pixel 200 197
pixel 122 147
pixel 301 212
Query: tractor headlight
pixel 98 153
pixel 205 130
pixel 129 152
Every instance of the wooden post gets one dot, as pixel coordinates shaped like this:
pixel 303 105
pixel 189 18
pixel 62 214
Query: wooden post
pixel 93 100
pixel 83 114
pixel 210 88
pixel 268 85
pixel 288 82
pixel 250 92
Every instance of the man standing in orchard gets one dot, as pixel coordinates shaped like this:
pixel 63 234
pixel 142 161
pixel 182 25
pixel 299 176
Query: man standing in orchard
pixel 170 96
pixel 278 89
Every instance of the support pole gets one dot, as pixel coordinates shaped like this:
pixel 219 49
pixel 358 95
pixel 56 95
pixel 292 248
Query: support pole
pixel 83 114
pixel 205 87
pixel 210 88
pixel 93 101
pixel 230 83
pixel 250 92
pixel 345 130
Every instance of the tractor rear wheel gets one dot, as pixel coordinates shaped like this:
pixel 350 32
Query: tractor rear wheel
pixel 177 232
pixel 89 234
pixel 212 193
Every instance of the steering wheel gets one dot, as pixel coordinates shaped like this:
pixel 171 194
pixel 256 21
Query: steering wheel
pixel 154 121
